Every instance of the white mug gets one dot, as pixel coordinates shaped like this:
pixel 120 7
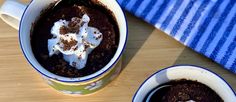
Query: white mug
pixel 21 17
pixel 189 72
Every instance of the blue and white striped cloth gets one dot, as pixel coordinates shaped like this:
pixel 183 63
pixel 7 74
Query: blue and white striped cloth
pixel 207 26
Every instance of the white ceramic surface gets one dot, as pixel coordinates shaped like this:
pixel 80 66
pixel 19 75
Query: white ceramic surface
pixel 215 82
pixel 12 11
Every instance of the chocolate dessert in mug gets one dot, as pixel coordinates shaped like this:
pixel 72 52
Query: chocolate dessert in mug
pixel 76 45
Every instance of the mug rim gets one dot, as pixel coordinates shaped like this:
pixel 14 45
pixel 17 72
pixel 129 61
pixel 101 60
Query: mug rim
pixel 183 65
pixel 71 79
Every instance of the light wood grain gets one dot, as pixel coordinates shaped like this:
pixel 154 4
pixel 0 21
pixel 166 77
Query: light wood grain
pixel 148 51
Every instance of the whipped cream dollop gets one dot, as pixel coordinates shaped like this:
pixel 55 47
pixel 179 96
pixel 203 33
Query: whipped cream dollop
pixel 75 40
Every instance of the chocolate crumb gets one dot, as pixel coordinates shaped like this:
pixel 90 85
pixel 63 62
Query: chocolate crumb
pixel 108 47
pixel 63 16
pixel 80 57
pixel 68 44
pixel 72 24
pixel 63 30
pixel 76 48
pixel 76 19
pixel 86 46
pixel 109 33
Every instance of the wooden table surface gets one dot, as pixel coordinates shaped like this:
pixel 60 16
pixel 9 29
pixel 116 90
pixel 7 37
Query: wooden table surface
pixel 148 50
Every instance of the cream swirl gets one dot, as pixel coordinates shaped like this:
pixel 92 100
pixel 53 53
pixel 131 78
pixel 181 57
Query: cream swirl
pixel 75 40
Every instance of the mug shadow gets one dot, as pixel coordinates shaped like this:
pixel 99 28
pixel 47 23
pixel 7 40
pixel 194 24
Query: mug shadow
pixel 188 56
pixel 135 40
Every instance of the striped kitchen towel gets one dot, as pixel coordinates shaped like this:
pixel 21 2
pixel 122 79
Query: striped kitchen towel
pixel 206 26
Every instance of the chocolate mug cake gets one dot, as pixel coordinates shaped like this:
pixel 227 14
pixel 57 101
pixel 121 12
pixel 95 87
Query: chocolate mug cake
pixel 183 91
pixel 75 38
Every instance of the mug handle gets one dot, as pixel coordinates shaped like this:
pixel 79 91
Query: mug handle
pixel 11 12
